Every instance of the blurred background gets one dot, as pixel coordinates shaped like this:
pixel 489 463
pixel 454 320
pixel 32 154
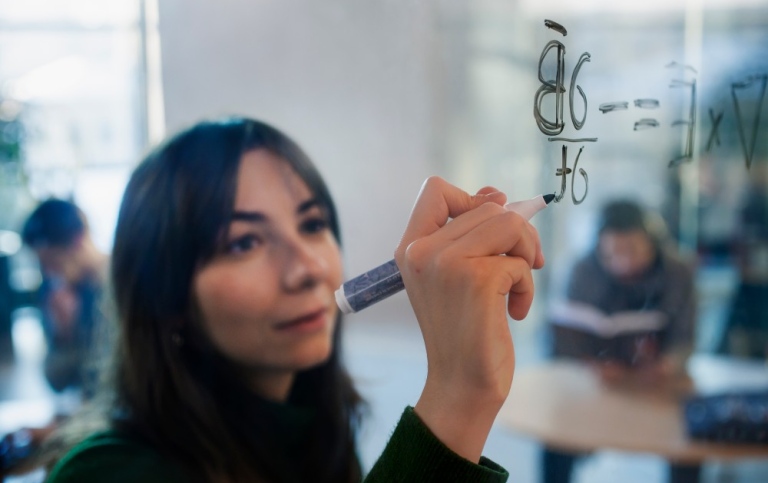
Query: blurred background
pixel 382 94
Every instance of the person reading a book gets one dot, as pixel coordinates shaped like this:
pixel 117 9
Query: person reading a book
pixel 629 309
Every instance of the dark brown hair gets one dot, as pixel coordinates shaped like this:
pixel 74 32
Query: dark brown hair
pixel 187 400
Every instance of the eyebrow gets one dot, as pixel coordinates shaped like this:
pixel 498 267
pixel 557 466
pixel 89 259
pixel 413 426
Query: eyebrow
pixel 256 217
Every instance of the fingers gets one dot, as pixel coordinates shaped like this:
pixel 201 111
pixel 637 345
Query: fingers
pixel 482 278
pixel 539 261
pixel 521 291
pixel 467 222
pixel 501 244
pixel 438 201
pixel 514 280
pixel 506 233
pixel 486 231
pixel 488 190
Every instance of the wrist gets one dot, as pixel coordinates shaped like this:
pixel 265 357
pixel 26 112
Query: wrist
pixel 460 422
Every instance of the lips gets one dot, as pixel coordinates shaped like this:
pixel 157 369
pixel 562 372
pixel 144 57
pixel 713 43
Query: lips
pixel 315 319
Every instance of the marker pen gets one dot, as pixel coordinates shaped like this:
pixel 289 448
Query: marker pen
pixel 385 280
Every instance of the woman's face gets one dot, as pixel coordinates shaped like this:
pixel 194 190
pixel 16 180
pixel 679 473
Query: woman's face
pixel 267 298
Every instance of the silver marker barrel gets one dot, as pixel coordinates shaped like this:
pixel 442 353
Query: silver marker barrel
pixel 385 280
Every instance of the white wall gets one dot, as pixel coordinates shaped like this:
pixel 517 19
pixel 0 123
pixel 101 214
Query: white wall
pixel 351 81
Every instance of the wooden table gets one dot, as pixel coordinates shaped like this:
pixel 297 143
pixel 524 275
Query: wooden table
pixel 564 405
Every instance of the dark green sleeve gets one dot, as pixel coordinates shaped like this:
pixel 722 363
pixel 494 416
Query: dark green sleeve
pixel 414 454
pixel 112 459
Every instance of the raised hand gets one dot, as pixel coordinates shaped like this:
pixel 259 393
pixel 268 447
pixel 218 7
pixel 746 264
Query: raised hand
pixel 462 279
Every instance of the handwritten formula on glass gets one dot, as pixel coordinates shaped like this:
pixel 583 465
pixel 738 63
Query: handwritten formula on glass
pixel 649 123
pixel 553 124
pixel 747 128
pixel 551 120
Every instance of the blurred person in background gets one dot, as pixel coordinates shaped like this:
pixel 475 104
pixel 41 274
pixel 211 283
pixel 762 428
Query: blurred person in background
pixel 630 312
pixel 73 275
pixel 229 369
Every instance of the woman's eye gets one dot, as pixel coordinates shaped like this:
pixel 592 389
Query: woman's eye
pixel 314 225
pixel 243 244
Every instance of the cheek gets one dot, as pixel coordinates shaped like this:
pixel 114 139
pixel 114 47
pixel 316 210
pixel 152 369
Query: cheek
pixel 649 255
pixel 227 301
pixel 335 269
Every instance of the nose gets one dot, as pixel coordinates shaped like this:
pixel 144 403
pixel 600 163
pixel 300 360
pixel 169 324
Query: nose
pixel 304 266
pixel 619 264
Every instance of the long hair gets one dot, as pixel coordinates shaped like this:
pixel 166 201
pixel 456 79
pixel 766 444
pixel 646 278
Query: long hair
pixel 186 399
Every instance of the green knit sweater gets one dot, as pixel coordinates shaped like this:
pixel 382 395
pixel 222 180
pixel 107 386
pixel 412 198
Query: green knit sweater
pixel 413 454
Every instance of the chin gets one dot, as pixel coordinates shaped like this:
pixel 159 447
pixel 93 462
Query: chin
pixel 313 357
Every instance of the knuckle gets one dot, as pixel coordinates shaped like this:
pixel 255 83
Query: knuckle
pixel 512 227
pixel 444 261
pixel 415 255
pixel 434 182
pixel 514 221
pixel 491 209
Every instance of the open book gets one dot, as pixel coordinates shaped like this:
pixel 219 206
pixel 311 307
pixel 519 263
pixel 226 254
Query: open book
pixel 584 332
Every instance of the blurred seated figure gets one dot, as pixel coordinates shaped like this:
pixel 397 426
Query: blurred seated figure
pixel 746 331
pixel 630 311
pixel 73 272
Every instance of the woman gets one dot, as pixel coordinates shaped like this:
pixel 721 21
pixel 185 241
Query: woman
pixel 225 262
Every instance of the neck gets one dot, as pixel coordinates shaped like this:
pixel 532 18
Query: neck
pixel 273 385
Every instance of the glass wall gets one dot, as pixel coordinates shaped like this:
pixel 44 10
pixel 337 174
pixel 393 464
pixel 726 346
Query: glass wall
pixel 72 77
pixel 659 102
pixel 73 123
